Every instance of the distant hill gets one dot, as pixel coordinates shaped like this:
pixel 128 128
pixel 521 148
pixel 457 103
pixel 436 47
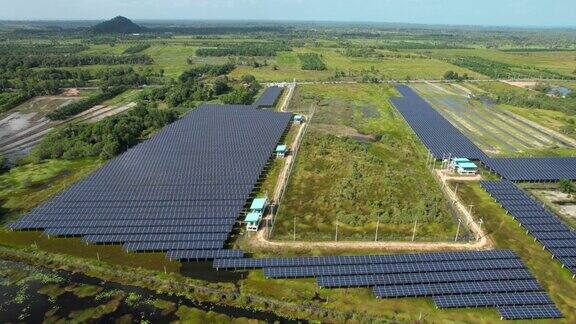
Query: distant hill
pixel 118 25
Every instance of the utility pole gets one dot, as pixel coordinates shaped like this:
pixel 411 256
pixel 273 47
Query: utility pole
pixel 294 236
pixel 458 230
pixel 377 226
pixel 336 237
pixel 414 230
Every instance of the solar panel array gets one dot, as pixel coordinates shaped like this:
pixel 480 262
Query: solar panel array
pixel 269 97
pixel 180 191
pixel 547 228
pixel 534 169
pixel 495 278
pixel 438 134
pixel 443 139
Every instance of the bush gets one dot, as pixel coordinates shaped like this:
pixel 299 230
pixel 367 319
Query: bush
pixel 311 61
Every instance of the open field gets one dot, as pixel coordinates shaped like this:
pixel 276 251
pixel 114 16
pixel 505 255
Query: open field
pixel 497 131
pixel 561 61
pixel 358 163
pixel 288 67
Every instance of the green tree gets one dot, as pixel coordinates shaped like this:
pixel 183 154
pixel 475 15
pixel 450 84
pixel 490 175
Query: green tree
pixel 566 186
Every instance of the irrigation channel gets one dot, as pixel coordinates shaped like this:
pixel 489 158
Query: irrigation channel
pixel 34 294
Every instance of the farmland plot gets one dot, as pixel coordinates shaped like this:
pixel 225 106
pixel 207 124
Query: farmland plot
pixel 495 130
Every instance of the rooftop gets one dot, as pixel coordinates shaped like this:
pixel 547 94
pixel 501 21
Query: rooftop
pixel 253 217
pixel 258 203
pixel 281 148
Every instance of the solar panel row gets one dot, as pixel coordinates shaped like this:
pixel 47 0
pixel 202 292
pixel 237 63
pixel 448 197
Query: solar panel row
pixel 385 268
pixel 533 169
pixel 496 299
pixel 181 190
pixel 548 229
pixel 269 97
pixel 451 288
pixel 529 312
pixel 362 259
pixel 196 255
pixel 371 280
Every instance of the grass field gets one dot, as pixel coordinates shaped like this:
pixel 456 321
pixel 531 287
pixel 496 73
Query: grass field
pixel 357 163
pixel 288 66
pixel 562 61
pixel 497 131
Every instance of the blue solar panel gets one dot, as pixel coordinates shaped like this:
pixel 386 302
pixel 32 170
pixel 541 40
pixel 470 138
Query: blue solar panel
pixel 438 135
pixel 451 288
pixel 416 278
pixel 529 312
pixel 195 255
pixel 533 169
pixel 496 299
pixel 269 97
pixel 191 178
pixel 173 245
pixel 444 140
pixel 543 224
pixel 118 238
pixel 362 259
pixel 313 271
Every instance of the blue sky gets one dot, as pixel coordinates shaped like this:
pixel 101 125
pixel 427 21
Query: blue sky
pixel 483 12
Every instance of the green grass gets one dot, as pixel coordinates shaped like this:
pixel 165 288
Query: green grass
pixel 562 61
pixel 127 96
pixel 388 68
pixel 339 178
pixel 173 59
pixel 555 120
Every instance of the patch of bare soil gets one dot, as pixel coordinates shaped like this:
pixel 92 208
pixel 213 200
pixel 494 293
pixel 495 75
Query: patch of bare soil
pixel 566 203
pixel 345 131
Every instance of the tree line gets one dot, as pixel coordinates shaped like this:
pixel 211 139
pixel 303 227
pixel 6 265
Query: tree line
pixel 104 139
pixel 245 49
pixel 12 62
pixel 136 48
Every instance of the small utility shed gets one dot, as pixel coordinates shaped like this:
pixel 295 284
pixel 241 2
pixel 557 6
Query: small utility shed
pixel 254 216
pixel 281 151
pixel 258 204
pixel 253 221
pixel 463 166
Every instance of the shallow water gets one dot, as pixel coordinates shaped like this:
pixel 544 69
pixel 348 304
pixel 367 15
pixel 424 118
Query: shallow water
pixel 22 299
